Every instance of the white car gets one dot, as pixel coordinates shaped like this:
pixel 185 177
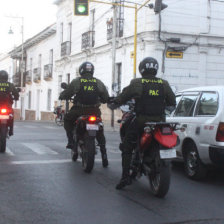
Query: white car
pixel 200 112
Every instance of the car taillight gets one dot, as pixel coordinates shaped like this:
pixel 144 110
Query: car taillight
pixel 92 118
pixel 220 133
pixel 4 111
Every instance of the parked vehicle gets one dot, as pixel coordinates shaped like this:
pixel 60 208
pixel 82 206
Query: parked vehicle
pixel 200 112
pixel 153 152
pixel 60 113
pixel 5 115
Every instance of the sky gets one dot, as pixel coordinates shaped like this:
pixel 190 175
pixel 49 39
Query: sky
pixel 37 14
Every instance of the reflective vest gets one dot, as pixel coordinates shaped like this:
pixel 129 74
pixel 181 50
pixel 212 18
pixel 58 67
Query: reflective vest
pixel 88 94
pixel 4 91
pixel 152 100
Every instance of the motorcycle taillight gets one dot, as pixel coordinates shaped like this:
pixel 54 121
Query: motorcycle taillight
pixel 92 119
pixel 4 111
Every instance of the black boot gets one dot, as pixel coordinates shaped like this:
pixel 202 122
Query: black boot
pixel 125 180
pixel 10 130
pixel 104 156
pixel 70 144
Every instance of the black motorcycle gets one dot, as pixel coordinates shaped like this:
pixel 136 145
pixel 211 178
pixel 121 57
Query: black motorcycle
pixel 84 135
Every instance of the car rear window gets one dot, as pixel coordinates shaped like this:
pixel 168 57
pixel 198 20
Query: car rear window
pixel 185 107
pixel 208 104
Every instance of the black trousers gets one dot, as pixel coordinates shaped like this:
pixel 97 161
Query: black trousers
pixel 75 113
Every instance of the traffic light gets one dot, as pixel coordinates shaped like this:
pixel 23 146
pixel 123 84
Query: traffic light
pixel 81 7
pixel 159 6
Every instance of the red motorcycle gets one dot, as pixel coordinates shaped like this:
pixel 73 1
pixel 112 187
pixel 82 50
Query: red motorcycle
pixel 60 113
pixel 6 115
pixel 153 152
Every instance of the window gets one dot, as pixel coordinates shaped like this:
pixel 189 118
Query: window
pixel 61 32
pixel 49 99
pixel 68 78
pixel 39 60
pixel 92 20
pixel 51 57
pixel 208 104
pixel 59 84
pixel 70 32
pixel 29 100
pixel 185 107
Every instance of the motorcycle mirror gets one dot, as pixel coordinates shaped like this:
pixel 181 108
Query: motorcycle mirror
pixel 119 121
pixel 64 85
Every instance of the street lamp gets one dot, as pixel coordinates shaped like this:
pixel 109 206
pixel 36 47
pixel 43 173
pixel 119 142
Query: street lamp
pixel 22 62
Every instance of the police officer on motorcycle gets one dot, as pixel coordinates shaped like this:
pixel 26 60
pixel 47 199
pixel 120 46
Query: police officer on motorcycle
pixel 8 93
pixel 89 93
pixel 151 96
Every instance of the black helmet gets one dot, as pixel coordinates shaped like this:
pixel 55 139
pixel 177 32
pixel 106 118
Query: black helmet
pixel 86 68
pixel 4 76
pixel 148 66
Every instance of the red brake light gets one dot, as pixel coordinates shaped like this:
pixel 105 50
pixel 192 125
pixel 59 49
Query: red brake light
pixel 4 111
pixel 220 133
pixel 92 118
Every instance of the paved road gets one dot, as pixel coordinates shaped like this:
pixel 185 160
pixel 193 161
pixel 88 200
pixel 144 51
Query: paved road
pixel 39 184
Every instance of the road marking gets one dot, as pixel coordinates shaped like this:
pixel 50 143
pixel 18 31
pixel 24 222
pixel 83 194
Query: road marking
pixel 9 152
pixel 49 127
pixel 39 149
pixel 31 162
pixel 41 161
pixel 29 126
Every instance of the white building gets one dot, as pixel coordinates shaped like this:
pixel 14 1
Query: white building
pixel 41 82
pixel 186 38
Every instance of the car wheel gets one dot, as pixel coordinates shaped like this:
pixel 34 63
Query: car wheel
pixel 194 168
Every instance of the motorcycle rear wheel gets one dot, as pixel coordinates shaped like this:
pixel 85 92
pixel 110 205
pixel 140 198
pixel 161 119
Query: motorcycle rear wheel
pixel 3 135
pixel 88 154
pixel 59 121
pixel 159 177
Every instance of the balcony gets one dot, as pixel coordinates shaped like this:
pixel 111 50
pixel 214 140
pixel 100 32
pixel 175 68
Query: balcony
pixel 28 77
pixel 16 79
pixel 65 48
pixel 120 28
pixel 48 71
pixel 88 40
pixel 37 75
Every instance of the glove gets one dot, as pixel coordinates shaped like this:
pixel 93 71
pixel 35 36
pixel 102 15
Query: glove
pixel 60 97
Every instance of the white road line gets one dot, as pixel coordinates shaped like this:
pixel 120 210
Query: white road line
pixel 29 126
pixel 42 161
pixel 39 149
pixel 31 162
pixel 49 127
pixel 8 151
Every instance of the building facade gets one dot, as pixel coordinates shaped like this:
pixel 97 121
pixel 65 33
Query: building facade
pixel 186 38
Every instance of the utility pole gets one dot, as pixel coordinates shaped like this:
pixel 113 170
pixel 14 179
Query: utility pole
pixel 114 37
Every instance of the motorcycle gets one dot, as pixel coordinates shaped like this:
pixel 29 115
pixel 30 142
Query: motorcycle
pixel 84 135
pixel 153 150
pixel 6 115
pixel 60 113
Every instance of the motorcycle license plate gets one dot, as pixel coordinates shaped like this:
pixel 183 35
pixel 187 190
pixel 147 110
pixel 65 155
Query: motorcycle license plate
pixel 4 116
pixel 168 154
pixel 92 127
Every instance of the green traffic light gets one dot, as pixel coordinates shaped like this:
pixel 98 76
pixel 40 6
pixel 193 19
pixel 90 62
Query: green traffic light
pixel 81 8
